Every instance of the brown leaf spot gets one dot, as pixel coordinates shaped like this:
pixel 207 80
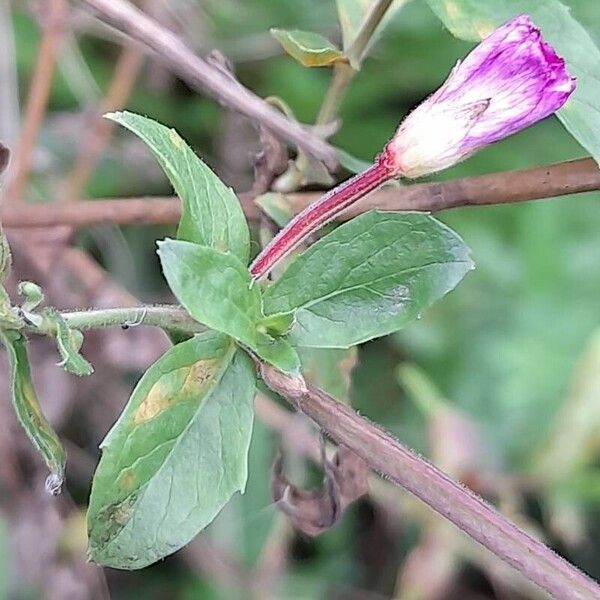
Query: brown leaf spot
pixel 127 480
pixel 176 139
pixel 163 395
pixel 484 29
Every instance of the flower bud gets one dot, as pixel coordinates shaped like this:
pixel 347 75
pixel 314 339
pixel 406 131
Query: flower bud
pixel 511 80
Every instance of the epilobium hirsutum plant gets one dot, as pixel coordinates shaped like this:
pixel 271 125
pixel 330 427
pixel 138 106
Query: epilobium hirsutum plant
pixel 179 450
pixel 511 80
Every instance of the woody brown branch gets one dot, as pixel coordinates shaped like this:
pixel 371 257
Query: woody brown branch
pixel 205 77
pixel 582 175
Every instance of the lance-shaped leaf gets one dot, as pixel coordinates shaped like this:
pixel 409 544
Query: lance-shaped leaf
pixel 216 289
pixel 29 412
pixel 211 213
pixel 175 456
pixel 308 48
pixel 476 19
pixel 369 277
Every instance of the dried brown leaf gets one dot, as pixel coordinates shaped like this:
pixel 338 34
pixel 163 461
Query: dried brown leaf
pixel 316 510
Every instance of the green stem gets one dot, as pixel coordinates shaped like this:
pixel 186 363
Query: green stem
pixel 166 317
pixel 358 47
pixel 342 76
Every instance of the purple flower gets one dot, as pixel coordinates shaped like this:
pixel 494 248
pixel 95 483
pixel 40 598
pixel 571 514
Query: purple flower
pixel 511 80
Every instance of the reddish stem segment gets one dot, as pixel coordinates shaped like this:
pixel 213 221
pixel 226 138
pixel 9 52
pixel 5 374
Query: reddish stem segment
pixel 320 213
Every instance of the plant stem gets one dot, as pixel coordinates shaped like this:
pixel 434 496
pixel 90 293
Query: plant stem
pixel 166 317
pixel 358 47
pixel 318 214
pixel 343 73
pixel 342 76
pixel 549 181
pixel 37 100
pixel 458 504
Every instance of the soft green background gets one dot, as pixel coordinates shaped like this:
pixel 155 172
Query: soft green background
pixel 502 347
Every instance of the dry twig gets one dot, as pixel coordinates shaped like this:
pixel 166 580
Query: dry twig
pixel 582 175
pixel 205 77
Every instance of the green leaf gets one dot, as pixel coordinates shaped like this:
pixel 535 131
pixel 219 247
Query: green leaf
pixel 216 289
pixel 69 343
pixel 211 213
pixel 308 48
pixel 352 14
pixel 5 257
pixel 369 277
pixel 32 293
pixel 277 324
pixel 8 317
pixel 175 456
pixel 475 19
pixel 29 411
pixel 588 15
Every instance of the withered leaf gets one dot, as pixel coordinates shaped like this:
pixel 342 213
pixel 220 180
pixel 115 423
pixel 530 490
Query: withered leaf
pixel 316 510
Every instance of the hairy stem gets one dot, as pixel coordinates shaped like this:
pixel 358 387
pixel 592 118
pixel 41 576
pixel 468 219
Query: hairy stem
pixel 166 317
pixel 318 214
pixel 458 504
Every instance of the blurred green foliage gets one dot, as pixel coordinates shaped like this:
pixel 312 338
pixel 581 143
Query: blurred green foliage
pixel 502 347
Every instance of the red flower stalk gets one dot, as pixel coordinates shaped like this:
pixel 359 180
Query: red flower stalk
pixel 320 213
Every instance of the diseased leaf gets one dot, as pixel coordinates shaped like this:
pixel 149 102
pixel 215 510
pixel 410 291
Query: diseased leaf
pixel 475 19
pixel 29 411
pixel 308 48
pixel 216 289
pixel 316 510
pixel 175 456
pixel 211 213
pixel 69 343
pixel 369 277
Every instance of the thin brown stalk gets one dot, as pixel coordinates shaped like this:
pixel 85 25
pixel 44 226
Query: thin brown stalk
pixel 562 179
pixel 37 99
pixel 98 135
